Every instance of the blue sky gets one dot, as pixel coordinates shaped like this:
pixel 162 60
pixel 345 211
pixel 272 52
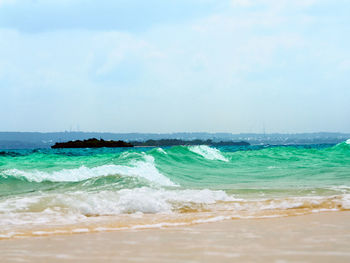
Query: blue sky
pixel 169 66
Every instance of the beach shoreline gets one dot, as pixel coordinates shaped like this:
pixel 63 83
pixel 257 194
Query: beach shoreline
pixel 321 237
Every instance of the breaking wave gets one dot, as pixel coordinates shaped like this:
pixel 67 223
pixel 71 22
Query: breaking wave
pixel 144 169
pixel 208 152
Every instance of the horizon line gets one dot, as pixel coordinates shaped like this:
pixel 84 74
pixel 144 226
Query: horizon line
pixel 316 132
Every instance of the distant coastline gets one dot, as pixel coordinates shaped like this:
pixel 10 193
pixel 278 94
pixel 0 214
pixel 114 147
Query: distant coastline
pixel 95 143
pixel 32 140
pixel 175 142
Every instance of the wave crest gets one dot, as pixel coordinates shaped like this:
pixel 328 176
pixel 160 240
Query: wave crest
pixel 208 152
pixel 145 169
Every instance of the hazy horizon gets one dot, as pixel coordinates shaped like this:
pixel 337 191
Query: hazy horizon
pixel 170 132
pixel 235 66
pixel 182 132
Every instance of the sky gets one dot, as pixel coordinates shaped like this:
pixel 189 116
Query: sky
pixel 175 65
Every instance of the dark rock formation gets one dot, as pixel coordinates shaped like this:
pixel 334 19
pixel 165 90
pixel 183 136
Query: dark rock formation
pixel 91 143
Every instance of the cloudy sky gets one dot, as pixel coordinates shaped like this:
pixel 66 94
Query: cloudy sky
pixel 175 65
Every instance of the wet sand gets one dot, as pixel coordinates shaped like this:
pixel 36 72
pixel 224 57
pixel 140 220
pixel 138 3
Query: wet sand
pixel 323 237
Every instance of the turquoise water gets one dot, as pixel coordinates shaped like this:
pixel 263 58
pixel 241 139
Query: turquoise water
pixel 181 184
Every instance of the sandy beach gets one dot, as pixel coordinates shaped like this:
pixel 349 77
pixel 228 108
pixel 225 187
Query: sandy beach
pixel 323 237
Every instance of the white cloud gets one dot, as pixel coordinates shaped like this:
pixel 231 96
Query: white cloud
pixel 222 72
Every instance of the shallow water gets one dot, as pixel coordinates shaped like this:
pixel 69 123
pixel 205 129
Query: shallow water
pixel 47 191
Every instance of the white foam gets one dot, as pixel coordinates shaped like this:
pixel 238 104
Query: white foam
pixel 40 233
pixel 145 200
pixel 55 208
pixel 72 207
pixel 10 234
pixel 286 204
pixel 145 169
pixel 75 206
pixel 212 219
pixel 159 225
pixel 161 151
pixel 339 201
pixel 345 202
pixel 208 152
pixel 347 141
pixel 80 230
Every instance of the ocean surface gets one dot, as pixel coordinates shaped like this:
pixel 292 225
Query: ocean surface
pixel 61 191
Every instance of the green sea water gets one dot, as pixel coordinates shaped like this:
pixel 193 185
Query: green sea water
pixel 129 187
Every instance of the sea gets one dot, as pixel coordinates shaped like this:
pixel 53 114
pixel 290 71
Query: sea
pixel 67 191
